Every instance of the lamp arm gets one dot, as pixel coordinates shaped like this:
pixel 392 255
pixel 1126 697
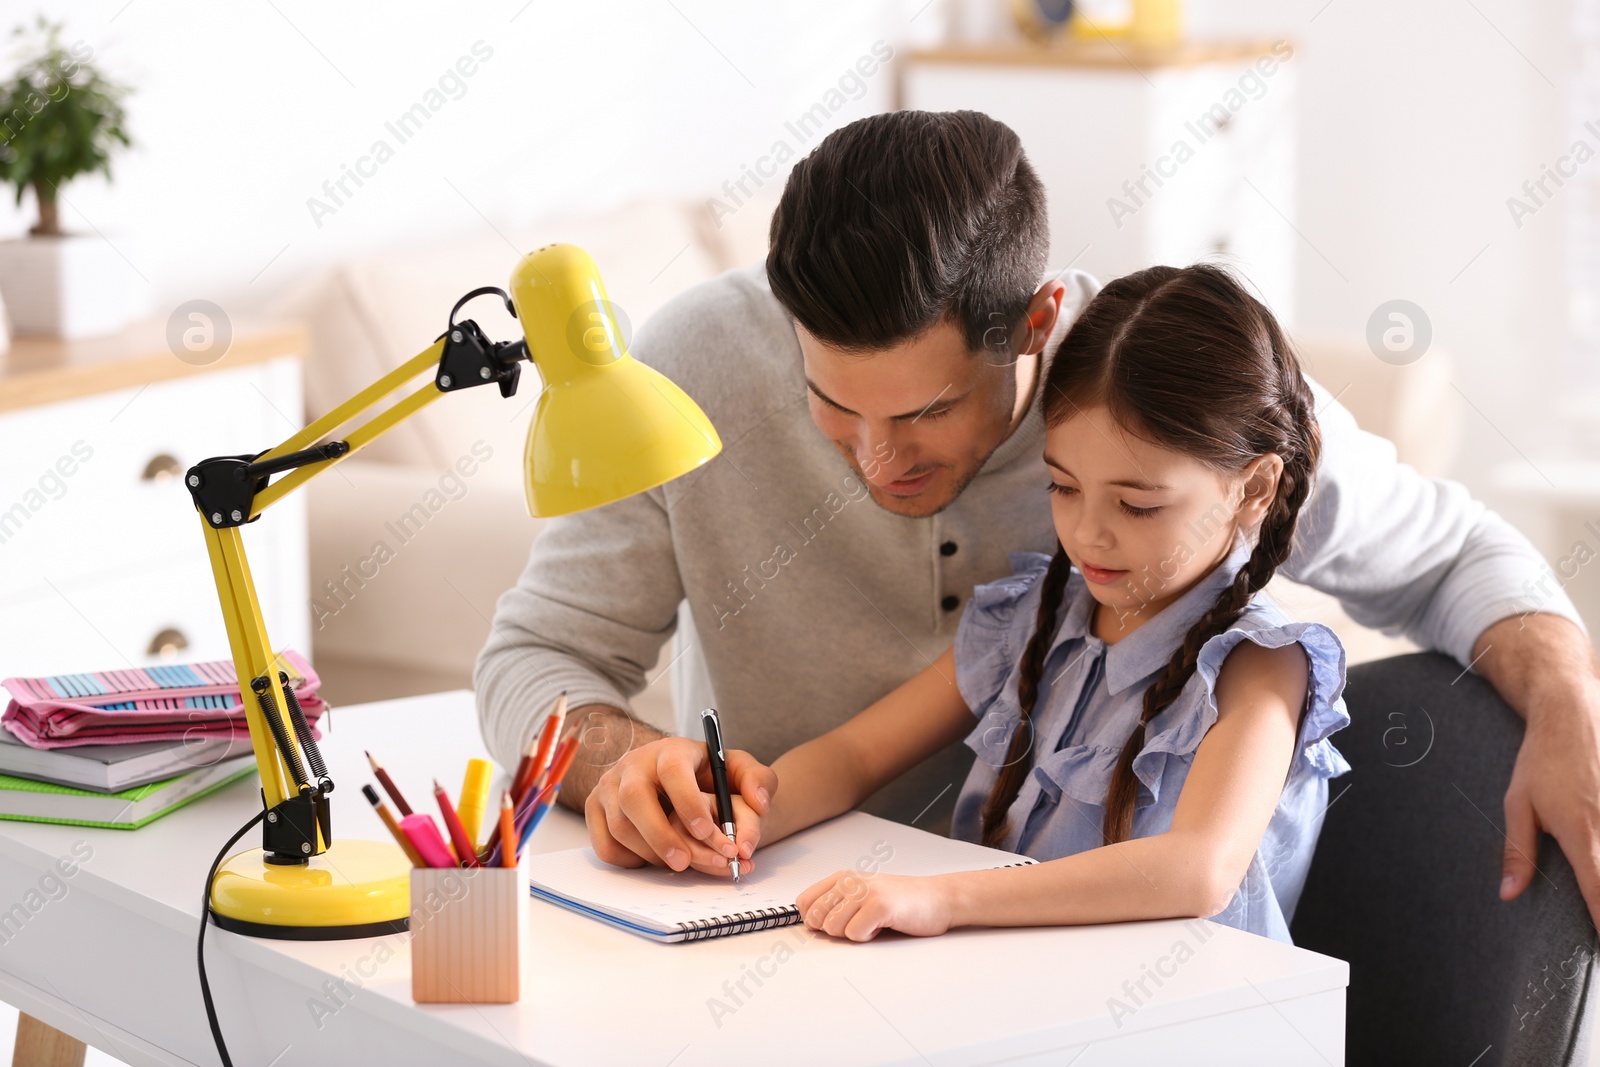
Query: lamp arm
pixel 229 492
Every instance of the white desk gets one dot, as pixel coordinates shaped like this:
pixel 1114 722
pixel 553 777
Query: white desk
pixel 112 963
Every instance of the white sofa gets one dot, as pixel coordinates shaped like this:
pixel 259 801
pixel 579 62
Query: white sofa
pixel 443 494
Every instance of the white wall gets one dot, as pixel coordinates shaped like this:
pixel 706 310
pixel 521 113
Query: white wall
pixel 244 110
pixel 1419 119
pixel 1433 119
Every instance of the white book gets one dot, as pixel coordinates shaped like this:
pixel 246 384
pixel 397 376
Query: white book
pixel 113 768
pixel 668 905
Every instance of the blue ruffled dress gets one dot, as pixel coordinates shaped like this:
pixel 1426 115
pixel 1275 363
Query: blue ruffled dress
pixel 1090 697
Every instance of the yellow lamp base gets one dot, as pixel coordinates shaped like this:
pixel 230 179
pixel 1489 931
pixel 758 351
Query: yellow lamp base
pixel 354 889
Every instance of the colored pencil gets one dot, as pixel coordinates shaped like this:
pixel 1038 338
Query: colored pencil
pixel 520 814
pixel 452 823
pixel 538 755
pixel 535 800
pixel 538 817
pixel 557 721
pixel 393 827
pixel 425 837
pixel 524 803
pixel 524 811
pixel 508 833
pixel 562 761
pixel 474 798
pixel 549 785
pixel 389 786
pixel 524 771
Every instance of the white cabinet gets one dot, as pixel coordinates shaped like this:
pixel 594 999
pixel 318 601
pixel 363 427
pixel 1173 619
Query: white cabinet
pixel 1145 158
pixel 102 557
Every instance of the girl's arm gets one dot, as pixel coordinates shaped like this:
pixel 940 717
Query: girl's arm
pixel 1191 870
pixel 833 773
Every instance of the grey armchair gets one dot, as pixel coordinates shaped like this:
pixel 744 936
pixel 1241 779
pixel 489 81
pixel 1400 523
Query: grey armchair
pixel 1404 885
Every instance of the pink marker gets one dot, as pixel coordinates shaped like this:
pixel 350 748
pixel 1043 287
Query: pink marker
pixel 427 840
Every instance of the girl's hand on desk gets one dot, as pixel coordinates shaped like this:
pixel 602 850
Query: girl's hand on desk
pixel 853 905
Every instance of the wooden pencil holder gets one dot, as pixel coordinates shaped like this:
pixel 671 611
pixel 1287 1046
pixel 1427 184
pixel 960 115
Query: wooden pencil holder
pixel 466 934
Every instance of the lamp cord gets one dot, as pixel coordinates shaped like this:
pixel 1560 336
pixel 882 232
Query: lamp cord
pixel 205 920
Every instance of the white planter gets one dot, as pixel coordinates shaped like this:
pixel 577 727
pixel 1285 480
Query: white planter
pixel 72 286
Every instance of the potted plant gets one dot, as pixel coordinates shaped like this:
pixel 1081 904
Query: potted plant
pixel 60 118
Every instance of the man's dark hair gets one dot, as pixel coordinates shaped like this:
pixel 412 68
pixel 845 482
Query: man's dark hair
pixel 903 220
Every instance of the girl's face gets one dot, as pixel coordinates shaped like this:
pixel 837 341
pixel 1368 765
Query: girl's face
pixel 1141 522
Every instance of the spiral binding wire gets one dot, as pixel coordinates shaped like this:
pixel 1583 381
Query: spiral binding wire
pixel 740 922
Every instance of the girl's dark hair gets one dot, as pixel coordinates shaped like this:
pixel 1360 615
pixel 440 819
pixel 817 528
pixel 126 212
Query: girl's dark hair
pixel 1187 359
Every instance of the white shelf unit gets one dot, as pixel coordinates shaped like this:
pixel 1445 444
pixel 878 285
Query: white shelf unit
pixel 111 564
pixel 1093 131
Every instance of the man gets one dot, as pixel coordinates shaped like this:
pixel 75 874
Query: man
pixel 874 386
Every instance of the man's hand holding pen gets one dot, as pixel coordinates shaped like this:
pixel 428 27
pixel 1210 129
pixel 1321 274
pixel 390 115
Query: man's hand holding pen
pixel 657 805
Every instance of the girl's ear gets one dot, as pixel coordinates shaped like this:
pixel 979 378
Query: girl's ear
pixel 1260 482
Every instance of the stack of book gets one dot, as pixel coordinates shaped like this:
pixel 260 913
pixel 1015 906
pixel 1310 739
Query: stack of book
pixel 120 748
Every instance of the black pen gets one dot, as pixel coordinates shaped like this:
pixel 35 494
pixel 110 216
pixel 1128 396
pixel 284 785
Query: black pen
pixel 719 779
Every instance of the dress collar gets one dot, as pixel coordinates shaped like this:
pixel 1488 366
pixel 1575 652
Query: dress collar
pixel 1146 650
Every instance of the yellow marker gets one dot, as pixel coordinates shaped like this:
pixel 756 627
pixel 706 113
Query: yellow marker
pixel 474 796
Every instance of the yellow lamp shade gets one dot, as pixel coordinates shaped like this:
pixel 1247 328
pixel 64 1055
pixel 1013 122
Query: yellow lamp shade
pixel 606 426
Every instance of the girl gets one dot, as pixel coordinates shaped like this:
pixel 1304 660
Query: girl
pixel 1148 725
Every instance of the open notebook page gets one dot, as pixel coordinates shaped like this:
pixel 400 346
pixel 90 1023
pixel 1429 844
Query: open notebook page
pixel 664 900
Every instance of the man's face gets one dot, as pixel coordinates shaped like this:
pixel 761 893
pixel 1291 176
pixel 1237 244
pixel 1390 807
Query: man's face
pixel 917 420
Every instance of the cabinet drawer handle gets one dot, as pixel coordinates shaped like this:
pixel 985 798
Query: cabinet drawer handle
pixel 161 467
pixel 167 643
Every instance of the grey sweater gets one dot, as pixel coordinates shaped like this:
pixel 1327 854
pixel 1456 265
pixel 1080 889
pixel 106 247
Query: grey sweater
pixel 803 601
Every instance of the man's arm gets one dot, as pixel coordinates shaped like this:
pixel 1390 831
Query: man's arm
pixel 587 617
pixel 1545 669
pixel 605 735
pixel 1405 553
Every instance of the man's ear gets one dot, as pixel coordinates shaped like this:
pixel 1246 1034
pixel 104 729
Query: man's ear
pixel 1043 311
pixel 1260 483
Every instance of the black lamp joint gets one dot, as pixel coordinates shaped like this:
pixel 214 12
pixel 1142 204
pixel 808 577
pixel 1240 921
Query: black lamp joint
pixel 289 832
pixel 224 488
pixel 469 358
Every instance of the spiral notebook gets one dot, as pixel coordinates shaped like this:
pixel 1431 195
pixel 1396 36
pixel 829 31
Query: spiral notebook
pixel 667 905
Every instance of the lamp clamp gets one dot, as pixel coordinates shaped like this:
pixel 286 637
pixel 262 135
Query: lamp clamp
pixel 470 358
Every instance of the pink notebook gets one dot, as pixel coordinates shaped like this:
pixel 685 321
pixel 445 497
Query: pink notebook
pixel 170 702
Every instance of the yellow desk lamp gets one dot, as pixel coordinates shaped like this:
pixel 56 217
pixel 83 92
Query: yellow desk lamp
pixel 605 427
